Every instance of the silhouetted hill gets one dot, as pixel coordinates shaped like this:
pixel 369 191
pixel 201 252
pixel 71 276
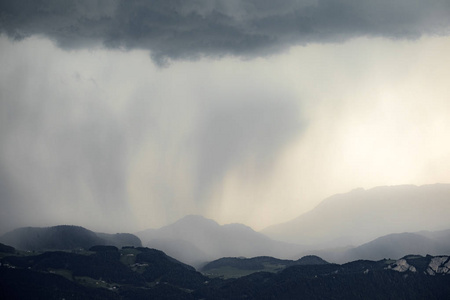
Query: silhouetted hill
pixel 363 215
pixel 64 237
pixel 57 237
pixel 209 241
pixel 408 278
pixel 104 265
pixel 182 250
pixel 167 269
pixel 28 284
pixel 393 246
pixel 233 267
pixel 129 273
pixel 311 260
pixel 106 272
pixel 396 246
pixel 120 239
pixel 6 249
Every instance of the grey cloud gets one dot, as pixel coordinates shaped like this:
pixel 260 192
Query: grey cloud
pixel 59 153
pixel 176 29
pixel 233 133
pixel 9 202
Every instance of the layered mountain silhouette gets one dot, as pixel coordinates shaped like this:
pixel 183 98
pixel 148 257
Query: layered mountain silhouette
pixel 106 272
pixel 235 244
pixel 356 225
pixel 393 246
pixel 196 240
pixel 376 267
pixel 64 237
pixel 336 229
pixel 361 215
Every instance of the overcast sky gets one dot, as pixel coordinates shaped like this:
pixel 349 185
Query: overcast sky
pixel 126 115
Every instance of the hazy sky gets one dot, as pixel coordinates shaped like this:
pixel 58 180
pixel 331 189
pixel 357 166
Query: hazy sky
pixel 125 115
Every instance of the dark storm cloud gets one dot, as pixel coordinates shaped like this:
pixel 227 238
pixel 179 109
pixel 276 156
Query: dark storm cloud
pixel 178 29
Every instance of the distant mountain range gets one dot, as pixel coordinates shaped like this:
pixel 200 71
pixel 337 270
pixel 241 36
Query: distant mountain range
pixel 372 224
pixel 361 215
pixel 213 242
pixel 64 237
pixel 393 246
pixel 196 240
pixel 336 229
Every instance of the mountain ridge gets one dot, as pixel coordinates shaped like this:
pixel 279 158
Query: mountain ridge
pixel 354 217
pixel 393 245
pixel 215 240
pixel 64 237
